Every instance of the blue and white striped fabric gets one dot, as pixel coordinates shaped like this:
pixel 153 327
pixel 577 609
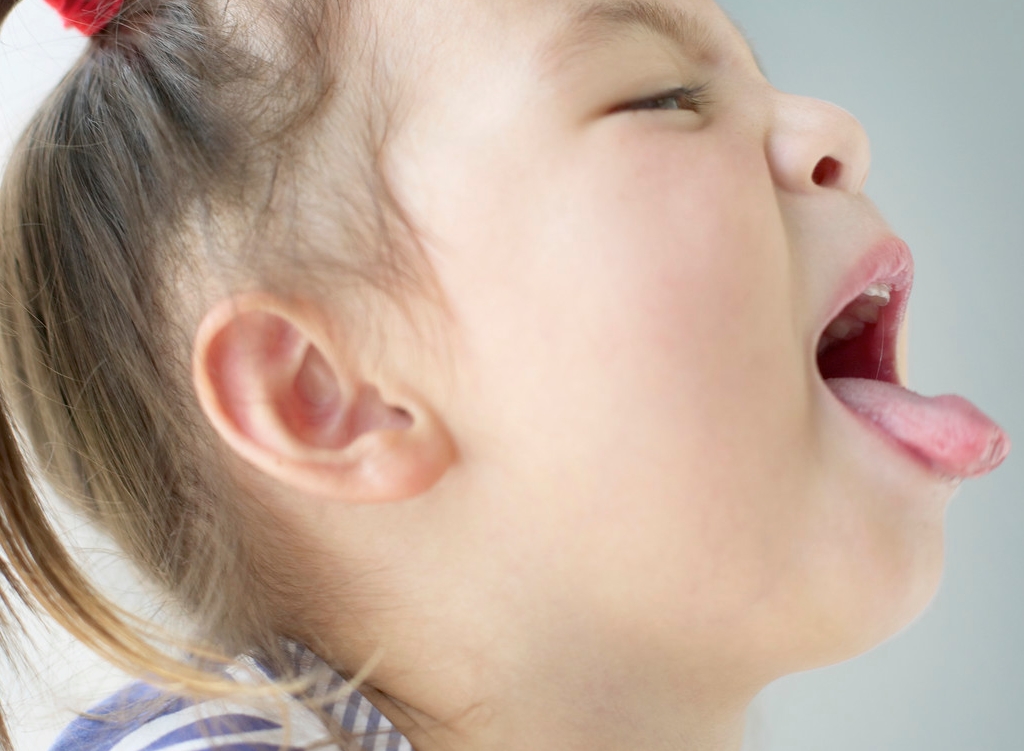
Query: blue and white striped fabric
pixel 141 718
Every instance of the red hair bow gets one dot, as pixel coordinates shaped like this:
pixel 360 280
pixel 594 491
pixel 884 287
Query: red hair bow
pixel 88 16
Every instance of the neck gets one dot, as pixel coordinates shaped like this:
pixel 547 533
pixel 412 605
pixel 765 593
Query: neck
pixel 537 712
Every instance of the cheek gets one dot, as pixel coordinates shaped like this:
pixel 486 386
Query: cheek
pixel 638 281
pixel 638 330
pixel 688 268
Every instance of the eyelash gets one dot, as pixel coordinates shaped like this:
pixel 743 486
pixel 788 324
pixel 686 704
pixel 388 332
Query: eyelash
pixel 684 98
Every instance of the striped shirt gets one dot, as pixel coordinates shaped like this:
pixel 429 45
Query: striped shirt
pixel 142 718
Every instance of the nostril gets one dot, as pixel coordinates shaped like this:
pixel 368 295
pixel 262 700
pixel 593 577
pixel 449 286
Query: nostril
pixel 826 173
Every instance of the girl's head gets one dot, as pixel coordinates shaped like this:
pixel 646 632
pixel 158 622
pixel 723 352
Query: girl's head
pixel 481 338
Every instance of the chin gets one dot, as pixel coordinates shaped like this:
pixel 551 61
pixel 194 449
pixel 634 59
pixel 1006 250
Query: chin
pixel 870 609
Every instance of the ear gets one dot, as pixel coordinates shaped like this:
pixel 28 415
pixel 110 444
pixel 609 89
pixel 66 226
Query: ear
pixel 288 399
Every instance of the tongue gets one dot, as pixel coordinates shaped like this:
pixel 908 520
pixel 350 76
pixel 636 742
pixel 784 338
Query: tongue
pixel 947 432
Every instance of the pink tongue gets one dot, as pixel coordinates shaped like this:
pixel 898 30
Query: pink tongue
pixel 948 432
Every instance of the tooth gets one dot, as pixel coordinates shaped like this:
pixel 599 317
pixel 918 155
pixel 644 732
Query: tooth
pixel 845 328
pixel 880 294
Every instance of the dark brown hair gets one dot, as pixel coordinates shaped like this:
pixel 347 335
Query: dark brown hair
pixel 181 129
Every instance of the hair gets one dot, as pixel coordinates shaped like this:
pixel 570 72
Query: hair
pixel 177 144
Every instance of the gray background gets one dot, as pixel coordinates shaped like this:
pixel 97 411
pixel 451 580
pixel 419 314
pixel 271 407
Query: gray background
pixel 940 90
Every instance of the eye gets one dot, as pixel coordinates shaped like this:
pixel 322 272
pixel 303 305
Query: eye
pixel 692 99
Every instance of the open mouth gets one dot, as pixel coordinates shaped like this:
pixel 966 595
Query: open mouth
pixel 861 342
pixel 857 359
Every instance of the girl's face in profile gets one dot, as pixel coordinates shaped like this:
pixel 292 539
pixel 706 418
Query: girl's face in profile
pixel 642 243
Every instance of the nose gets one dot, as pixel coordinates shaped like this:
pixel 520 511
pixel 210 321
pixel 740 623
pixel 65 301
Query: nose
pixel 814 145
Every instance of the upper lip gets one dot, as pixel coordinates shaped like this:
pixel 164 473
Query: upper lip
pixel 888 262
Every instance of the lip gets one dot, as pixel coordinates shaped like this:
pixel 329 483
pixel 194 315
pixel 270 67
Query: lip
pixel 888 261
pixel 946 436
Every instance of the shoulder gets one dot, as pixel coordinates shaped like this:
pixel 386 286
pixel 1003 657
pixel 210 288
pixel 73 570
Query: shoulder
pixel 141 718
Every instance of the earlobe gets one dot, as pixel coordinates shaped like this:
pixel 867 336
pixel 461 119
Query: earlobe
pixel 290 401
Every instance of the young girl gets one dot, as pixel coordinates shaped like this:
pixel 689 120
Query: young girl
pixel 517 374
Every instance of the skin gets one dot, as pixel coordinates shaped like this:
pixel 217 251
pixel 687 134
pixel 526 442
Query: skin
pixel 624 500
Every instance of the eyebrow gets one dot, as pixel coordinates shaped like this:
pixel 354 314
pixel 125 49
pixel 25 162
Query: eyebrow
pixel 594 25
